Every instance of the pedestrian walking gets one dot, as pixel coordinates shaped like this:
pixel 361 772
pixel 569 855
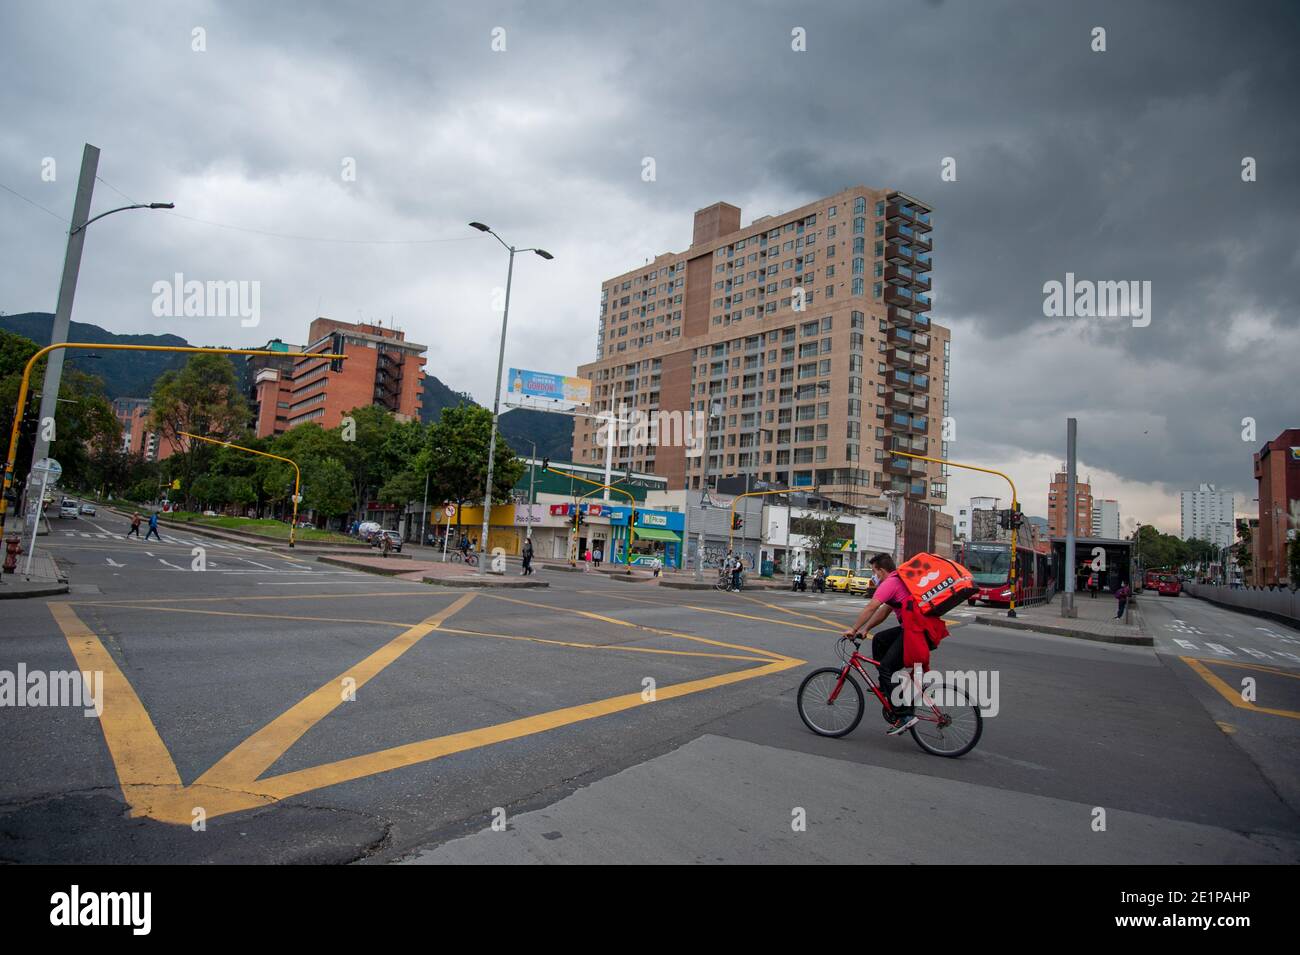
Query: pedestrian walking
pixel 153 527
pixel 586 560
pixel 135 526
pixel 528 557
pixel 1122 595
pixel 387 544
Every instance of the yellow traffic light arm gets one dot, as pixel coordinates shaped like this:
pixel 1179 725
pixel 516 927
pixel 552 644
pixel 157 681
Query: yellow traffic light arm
pixel 297 474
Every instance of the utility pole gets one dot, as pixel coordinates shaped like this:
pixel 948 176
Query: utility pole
pixel 67 292
pixel 1071 437
pixel 532 497
pixel 704 494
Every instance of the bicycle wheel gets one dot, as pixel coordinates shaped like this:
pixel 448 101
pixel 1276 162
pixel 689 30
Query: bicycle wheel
pixel 471 559
pixel 722 584
pixel 949 724
pixel 824 716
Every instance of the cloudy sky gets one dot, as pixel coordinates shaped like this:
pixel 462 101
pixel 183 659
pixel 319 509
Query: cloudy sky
pixel 1123 164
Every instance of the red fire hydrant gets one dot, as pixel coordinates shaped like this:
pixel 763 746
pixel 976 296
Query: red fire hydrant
pixel 13 547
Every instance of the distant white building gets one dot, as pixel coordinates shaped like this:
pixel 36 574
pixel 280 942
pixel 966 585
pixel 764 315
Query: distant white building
pixel 1207 514
pixel 961 522
pixel 1105 519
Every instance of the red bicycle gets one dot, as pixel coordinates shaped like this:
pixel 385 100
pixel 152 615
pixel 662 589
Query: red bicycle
pixel 831 703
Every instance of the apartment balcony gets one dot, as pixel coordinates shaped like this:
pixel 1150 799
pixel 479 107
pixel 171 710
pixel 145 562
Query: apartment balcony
pixel 898 358
pixel 899 297
pixel 897 212
pixel 898 400
pixel 920 281
pixel 901 317
pixel 908 424
pixel 922 262
pixel 921 302
pixel 898 253
pixel 901 337
pixel 896 274
pixel 899 467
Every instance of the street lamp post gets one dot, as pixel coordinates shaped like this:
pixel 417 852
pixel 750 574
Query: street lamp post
pixel 68 289
pixel 496 394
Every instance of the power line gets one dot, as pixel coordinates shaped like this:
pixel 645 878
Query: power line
pixel 36 204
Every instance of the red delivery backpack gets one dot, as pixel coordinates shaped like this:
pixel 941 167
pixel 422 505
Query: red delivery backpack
pixel 936 584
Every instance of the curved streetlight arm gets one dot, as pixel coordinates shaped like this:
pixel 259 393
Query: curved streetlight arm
pixel 138 205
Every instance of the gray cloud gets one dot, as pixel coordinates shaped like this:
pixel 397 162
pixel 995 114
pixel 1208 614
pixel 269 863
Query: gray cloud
pixel 1115 165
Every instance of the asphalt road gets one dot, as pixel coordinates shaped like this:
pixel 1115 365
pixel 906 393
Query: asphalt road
pixel 272 709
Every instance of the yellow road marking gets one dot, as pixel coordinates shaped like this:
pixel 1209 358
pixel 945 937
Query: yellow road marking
pixel 607 646
pixel 424 592
pixel 259 616
pixel 290 784
pixel 640 626
pixel 1234 696
pixel 153 788
pixel 837 624
pixel 255 755
pixel 139 755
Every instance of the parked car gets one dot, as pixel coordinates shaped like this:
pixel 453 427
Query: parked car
pixel 377 540
pixel 88 509
pixel 864 586
pixel 68 508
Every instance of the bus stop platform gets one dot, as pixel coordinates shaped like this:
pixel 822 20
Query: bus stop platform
pixel 1094 620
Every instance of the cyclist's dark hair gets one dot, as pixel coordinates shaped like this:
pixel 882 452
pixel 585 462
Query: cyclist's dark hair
pixel 884 562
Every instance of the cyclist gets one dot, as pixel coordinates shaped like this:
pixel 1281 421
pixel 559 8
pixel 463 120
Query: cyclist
pixel 887 645
pixel 463 547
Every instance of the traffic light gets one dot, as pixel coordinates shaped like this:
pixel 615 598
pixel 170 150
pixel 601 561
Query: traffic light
pixel 336 364
pixel 546 464
pixel 736 522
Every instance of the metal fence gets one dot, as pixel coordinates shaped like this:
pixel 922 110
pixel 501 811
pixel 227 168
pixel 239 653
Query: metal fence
pixel 1281 604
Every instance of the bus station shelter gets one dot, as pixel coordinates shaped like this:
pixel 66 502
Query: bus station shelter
pixel 1116 561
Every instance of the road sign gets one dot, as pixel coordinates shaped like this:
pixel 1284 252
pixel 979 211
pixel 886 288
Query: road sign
pixel 297 499
pixel 450 510
pixel 48 466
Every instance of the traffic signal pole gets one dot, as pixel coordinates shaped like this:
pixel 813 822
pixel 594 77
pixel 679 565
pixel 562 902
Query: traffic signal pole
pixel 297 474
pixel 1015 510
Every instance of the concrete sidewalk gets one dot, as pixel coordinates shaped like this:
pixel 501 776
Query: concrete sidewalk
pixel 1095 620
pixel 45 579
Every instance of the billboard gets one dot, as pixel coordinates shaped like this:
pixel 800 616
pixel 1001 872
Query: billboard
pixel 541 384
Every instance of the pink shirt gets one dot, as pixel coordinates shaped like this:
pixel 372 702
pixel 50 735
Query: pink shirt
pixel 892 591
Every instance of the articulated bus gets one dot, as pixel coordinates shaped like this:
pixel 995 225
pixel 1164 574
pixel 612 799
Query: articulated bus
pixel 990 565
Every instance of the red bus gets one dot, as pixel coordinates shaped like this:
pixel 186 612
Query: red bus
pixel 990 565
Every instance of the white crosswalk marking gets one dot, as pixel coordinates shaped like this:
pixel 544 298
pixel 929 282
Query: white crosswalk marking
pixel 1289 656
pixel 1185 644
pixel 1258 654
pixel 1219 648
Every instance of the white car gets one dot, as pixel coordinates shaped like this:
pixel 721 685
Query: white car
pixel 68 509
pixel 88 509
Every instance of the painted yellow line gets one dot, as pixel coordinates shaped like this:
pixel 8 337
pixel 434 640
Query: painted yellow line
pixel 1276 671
pixel 839 625
pixel 256 754
pixel 330 774
pixel 260 616
pixel 607 646
pixel 333 595
pixel 779 623
pixel 640 626
pixel 1231 695
pixel 138 752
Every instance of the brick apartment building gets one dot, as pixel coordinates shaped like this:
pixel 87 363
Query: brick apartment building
pixel 137 437
pixel 382 368
pixel 808 327
pixel 1058 495
pixel 1277 471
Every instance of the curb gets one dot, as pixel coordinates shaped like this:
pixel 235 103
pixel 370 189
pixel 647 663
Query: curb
pixel 253 540
pixel 394 571
pixel 1137 641
pixel 477 581
pixel 50 590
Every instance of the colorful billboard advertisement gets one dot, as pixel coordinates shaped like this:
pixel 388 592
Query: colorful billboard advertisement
pixel 541 384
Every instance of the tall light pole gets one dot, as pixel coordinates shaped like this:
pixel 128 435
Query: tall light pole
pixel 496 394
pixel 715 411
pixel 68 289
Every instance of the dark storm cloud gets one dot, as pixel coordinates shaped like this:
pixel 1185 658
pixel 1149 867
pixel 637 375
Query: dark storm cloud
pixel 1115 165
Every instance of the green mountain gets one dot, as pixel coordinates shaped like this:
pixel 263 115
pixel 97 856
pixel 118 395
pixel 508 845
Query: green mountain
pixel 131 374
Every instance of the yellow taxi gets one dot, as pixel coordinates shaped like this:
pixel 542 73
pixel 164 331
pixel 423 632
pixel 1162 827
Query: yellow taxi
pixel 837 579
pixel 862 585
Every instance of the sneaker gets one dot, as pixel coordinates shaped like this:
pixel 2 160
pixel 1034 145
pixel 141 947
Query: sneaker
pixel 902 726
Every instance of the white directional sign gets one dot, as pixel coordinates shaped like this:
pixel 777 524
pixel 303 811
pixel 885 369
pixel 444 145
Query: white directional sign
pixel 48 466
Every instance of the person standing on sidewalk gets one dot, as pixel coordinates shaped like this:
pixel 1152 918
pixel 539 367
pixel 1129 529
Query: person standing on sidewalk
pixel 135 526
pixel 153 527
pixel 1122 595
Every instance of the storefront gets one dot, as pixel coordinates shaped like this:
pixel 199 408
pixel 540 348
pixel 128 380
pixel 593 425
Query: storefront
pixel 656 536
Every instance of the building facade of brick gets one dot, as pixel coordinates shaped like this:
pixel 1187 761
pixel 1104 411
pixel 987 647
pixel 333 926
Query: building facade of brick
pixel 807 332
pixel 1277 473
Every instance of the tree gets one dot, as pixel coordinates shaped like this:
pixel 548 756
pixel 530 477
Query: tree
pixel 329 488
pixel 202 398
pixel 455 457
pixel 1242 552
pixel 821 542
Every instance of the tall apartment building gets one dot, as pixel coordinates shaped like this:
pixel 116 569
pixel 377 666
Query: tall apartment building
pixel 809 332
pixel 1208 515
pixel 1058 495
pixel 382 368
pixel 1105 519
pixel 1277 471
pixel 133 415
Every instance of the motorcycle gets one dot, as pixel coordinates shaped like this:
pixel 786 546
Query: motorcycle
pixel 800 582
pixel 819 582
